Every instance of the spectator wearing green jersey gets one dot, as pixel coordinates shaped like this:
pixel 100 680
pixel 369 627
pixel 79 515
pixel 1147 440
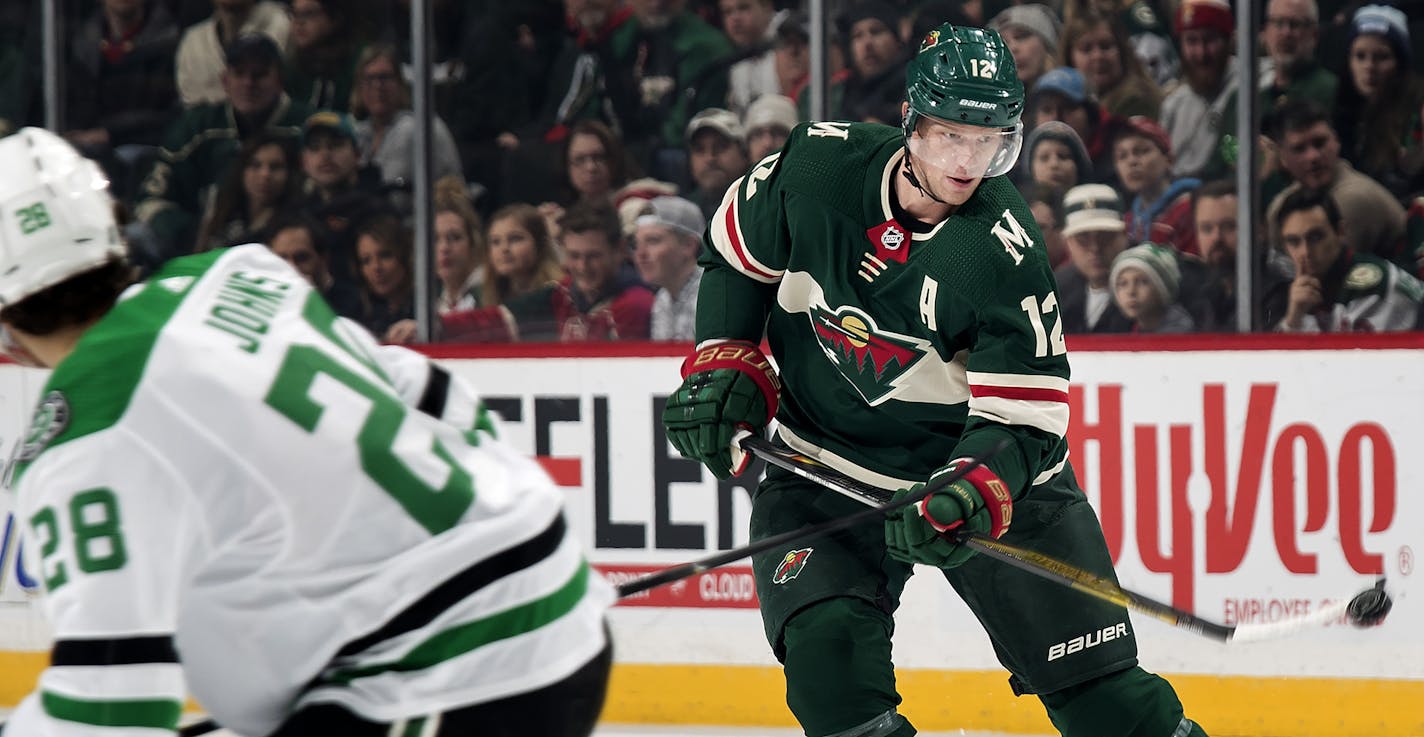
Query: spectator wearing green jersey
pixel 200 146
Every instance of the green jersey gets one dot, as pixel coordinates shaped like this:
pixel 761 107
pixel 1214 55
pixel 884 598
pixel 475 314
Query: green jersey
pixel 900 346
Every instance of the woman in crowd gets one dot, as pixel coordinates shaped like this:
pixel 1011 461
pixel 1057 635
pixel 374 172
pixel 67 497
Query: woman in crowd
pixel 383 260
pixel 1379 98
pixel 385 125
pixel 265 180
pixel 520 257
pixel 322 60
pixel 1098 47
pixel 459 247
pixel 595 165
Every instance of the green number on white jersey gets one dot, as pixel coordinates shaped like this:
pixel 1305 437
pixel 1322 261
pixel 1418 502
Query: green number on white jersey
pixel 431 487
pixel 98 536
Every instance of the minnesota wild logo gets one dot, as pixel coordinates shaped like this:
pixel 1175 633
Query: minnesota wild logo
pixel 870 359
pixel 791 565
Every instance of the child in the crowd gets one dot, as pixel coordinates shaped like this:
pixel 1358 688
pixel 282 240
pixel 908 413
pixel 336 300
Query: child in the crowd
pixel 1055 157
pixel 1161 209
pixel 1145 280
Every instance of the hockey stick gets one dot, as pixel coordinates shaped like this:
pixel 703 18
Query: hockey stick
pixel 675 573
pixel 877 511
pixel 1369 607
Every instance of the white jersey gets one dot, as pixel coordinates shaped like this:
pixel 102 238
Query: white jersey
pixel 227 484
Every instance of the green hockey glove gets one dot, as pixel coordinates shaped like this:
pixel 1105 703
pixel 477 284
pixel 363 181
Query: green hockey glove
pixel 726 386
pixel 979 502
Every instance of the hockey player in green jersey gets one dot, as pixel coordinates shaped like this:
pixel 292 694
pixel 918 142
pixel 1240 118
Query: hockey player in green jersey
pixel 903 289
pixel 230 487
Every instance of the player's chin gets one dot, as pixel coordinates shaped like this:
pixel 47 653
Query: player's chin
pixel 956 190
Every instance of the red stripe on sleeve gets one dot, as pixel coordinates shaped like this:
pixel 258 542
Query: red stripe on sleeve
pixel 737 247
pixel 1027 393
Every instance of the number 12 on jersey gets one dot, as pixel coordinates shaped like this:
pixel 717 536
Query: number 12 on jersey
pixel 1045 343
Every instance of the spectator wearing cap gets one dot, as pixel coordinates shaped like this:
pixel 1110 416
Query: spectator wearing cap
pixel 1146 282
pixel 1291 69
pixel 599 300
pixel 1094 229
pixel 385 125
pixel 667 242
pixel 1099 47
pixel 1161 208
pixel 876 84
pixel 120 87
pixel 716 155
pixel 1310 153
pixel 340 192
pixel 751 25
pixel 201 60
pixel 200 146
pixel 1197 115
pixel 768 122
pixel 666 64
pixel 1031 32
pixel 1062 94
pixel 1379 98
pixel 1054 158
pixel 1137 17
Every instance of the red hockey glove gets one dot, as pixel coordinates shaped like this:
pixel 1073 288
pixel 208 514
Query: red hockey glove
pixel 979 502
pixel 726 386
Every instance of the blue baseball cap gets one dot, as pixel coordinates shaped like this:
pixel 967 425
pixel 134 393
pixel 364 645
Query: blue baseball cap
pixel 1065 81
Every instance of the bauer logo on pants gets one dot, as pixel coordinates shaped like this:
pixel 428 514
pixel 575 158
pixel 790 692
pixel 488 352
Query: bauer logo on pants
pixel 790 566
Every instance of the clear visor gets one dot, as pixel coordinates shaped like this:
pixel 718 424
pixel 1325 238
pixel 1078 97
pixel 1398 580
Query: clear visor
pixel 965 151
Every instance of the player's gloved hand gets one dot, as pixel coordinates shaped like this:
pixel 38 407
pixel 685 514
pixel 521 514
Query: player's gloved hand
pixel 979 502
pixel 726 386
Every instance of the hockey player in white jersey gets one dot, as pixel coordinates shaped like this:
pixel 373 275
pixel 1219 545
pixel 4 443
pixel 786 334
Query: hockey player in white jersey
pixel 227 486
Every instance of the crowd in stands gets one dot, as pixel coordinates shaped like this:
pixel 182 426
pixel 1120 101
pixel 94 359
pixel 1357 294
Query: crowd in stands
pixel 580 147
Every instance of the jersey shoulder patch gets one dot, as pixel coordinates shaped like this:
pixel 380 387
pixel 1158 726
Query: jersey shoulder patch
pixel 829 160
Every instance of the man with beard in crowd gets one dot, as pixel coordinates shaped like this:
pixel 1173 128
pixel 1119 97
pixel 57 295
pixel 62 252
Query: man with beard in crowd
pixel 1198 113
pixel 716 154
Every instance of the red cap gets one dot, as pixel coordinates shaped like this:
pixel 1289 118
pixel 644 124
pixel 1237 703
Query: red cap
pixel 1141 125
pixel 1213 14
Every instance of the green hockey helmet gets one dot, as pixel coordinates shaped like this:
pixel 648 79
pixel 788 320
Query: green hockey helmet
pixel 967 76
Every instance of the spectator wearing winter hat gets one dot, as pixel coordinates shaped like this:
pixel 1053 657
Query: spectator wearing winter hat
pixel 768 122
pixel 1161 208
pixel 1031 33
pixel 1145 282
pixel 1379 97
pixel 666 244
pixel 1062 94
pixel 1201 111
pixel 1055 158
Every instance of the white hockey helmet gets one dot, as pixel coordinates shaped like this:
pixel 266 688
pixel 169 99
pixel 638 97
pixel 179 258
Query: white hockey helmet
pixel 56 217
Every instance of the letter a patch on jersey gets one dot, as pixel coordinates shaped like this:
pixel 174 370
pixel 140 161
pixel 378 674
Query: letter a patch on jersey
pixel 871 359
pixel 791 566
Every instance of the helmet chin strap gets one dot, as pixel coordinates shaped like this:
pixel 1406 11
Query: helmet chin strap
pixel 909 171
